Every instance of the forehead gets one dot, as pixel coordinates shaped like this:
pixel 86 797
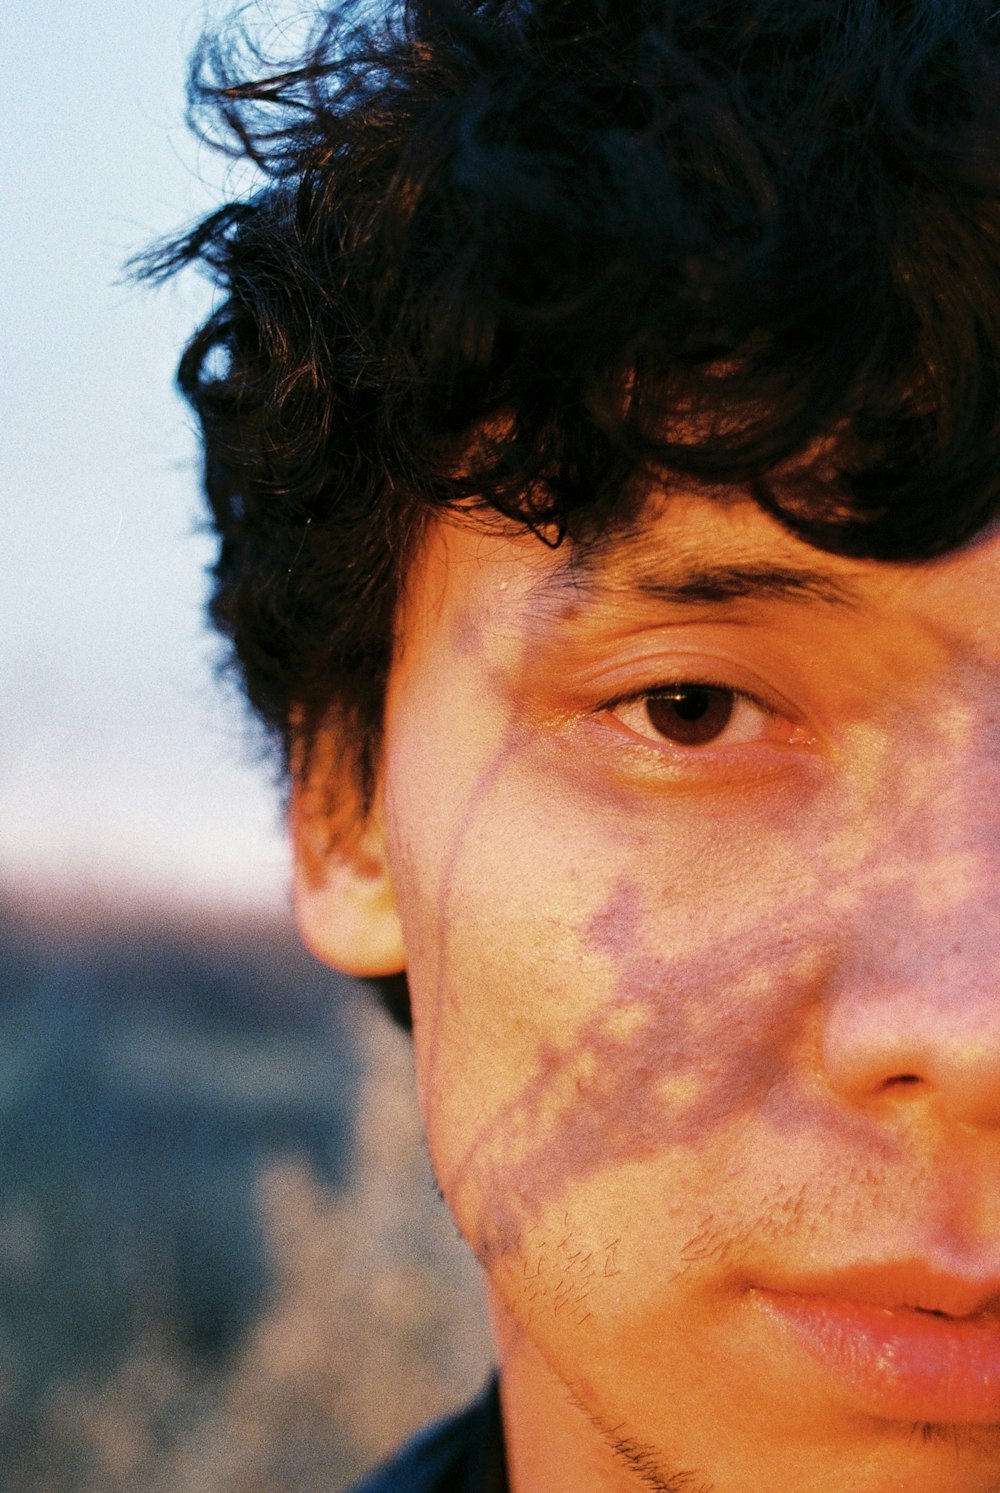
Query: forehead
pixel 687 551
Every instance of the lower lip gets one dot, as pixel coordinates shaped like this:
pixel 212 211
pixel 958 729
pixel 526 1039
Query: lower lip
pixel 902 1364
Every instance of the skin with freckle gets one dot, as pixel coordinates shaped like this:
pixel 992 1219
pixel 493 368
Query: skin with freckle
pixel 688 1022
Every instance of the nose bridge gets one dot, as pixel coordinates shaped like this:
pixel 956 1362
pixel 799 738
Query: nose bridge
pixel 914 1008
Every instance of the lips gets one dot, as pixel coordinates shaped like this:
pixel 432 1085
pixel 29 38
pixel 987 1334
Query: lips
pixel 909 1283
pixel 903 1341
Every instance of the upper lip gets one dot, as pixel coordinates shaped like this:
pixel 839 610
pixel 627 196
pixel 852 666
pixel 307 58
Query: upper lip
pixel 904 1283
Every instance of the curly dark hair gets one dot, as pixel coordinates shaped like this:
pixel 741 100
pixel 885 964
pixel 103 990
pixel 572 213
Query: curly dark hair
pixel 524 253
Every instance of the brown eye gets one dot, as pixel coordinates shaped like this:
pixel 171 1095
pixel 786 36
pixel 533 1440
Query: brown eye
pixel 690 714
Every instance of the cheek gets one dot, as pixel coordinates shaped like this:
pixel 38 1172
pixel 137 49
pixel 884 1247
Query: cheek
pixel 600 1004
pixel 640 1082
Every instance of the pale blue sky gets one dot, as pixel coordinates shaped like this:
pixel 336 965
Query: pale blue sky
pixel 119 759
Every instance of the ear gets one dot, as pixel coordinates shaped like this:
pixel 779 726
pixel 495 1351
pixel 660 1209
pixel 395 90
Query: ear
pixel 344 899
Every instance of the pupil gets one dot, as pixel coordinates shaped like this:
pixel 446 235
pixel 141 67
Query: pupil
pixel 691 715
pixel 692 704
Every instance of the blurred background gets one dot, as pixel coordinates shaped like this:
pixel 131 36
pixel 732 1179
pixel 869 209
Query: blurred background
pixel 223 1265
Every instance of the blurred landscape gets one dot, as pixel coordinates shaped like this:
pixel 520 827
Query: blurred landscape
pixel 223 1263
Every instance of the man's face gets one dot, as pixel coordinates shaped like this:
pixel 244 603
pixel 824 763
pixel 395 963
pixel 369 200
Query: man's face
pixel 696 851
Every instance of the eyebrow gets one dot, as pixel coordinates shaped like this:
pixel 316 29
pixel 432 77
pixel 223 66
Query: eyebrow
pixel 743 581
pixel 679 582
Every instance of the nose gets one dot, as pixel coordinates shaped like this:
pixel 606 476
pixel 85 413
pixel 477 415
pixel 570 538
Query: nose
pixel 913 1011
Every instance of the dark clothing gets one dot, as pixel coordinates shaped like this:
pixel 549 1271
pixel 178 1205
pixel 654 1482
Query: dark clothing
pixel 461 1455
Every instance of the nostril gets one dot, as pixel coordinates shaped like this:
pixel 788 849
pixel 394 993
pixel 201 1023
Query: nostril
pixel 902 1078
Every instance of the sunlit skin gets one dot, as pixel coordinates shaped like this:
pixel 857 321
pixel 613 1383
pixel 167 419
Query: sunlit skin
pixel 695 1023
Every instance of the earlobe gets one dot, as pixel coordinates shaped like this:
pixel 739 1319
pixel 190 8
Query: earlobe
pixel 345 904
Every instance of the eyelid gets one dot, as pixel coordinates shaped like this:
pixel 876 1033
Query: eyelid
pixel 694 670
pixel 688 681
